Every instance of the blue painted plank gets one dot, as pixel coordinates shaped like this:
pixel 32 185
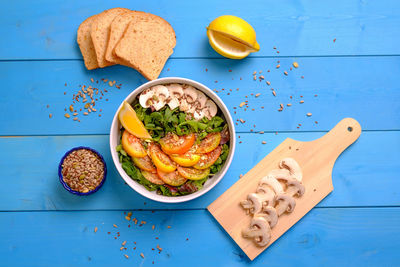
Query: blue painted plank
pixel 47 29
pixel 365 175
pixel 356 87
pixel 324 237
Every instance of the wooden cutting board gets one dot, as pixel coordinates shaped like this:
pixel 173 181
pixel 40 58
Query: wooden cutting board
pixel 316 159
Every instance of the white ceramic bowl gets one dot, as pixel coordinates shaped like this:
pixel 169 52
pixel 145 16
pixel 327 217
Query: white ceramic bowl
pixel 210 183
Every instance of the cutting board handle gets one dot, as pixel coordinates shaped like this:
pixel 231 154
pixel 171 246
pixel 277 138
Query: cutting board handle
pixel 345 133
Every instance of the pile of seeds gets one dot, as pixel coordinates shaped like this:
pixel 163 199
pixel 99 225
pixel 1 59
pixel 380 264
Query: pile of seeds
pixel 86 98
pixel 82 170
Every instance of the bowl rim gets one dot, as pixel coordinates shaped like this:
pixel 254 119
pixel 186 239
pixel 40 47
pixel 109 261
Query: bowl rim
pixel 66 186
pixel 140 188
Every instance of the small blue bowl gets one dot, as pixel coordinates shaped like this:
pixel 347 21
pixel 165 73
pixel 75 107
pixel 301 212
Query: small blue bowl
pixel 65 185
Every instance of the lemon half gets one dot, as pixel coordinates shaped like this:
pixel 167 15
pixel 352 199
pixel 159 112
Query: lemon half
pixel 232 37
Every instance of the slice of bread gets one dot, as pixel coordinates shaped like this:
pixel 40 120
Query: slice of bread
pixel 117 29
pixel 146 46
pixel 100 31
pixel 86 45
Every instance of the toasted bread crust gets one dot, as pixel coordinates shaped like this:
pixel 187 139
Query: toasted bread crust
pixel 85 43
pixel 100 30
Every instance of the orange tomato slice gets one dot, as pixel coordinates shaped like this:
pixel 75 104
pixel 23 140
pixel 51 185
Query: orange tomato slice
pixel 160 159
pixel 193 174
pixel 209 143
pixel 132 145
pixel 174 144
pixel 187 160
pixel 145 164
pixel 171 178
pixel 129 120
pixel 208 159
pixel 152 177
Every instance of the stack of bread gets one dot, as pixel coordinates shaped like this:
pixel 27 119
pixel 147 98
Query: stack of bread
pixel 136 39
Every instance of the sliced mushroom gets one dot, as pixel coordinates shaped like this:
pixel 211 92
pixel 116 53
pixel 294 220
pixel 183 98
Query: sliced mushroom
pixel 184 105
pixel 210 109
pixel 268 193
pixel 160 96
pixel 271 181
pixel 259 230
pixel 293 167
pixel 295 186
pixel 146 98
pixel 253 204
pixel 279 173
pixel 201 99
pixel 190 93
pixel 198 115
pixel 270 214
pixel 286 203
pixel 175 95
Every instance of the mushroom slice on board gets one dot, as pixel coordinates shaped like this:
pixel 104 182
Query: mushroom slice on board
pixel 175 94
pixel 210 109
pixel 293 167
pixel 270 214
pixel 268 193
pixel 286 203
pixel 160 96
pixel 259 230
pixel 253 204
pixel 294 183
pixel 198 114
pixel 270 180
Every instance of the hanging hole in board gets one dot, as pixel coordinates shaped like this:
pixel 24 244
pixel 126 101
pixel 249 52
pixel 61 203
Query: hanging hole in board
pixel 350 129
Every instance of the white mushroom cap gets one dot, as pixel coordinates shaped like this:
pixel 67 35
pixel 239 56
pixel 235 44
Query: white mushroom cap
pixel 293 167
pixel 269 214
pixel 160 96
pixel 201 99
pixel 146 98
pixel 184 105
pixel 271 181
pixel 210 109
pixel 198 114
pixel 286 203
pixel 267 195
pixel 279 173
pixel 190 93
pixel 175 94
pixel 259 230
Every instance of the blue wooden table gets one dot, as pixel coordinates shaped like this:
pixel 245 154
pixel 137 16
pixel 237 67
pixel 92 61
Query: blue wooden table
pixel 349 66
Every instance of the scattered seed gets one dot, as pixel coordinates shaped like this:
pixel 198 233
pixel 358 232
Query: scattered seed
pixel 295 64
pixel 241 175
pixel 334 40
pixel 75 119
pixel 263 142
pixel 316 122
pixel 141 255
pixel 66 115
pixel 242 104
pixel 254 77
pixel 168 226
pixel 50 115
pixel 285 72
pixel 278 66
pixel 126 256
pixel 85 113
pixel 273 92
pixel 309 114
pixel 123 243
pixel 115 225
pixel 255 72
pixel 301 101
pixel 262 132
pixel 268 83
pixel 261 77
pixel 242 121
pixel 288 104
pixel 257 95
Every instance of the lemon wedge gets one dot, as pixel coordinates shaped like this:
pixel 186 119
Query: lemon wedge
pixel 232 37
pixel 129 120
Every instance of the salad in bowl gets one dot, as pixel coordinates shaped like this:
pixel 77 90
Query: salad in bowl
pixel 171 141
